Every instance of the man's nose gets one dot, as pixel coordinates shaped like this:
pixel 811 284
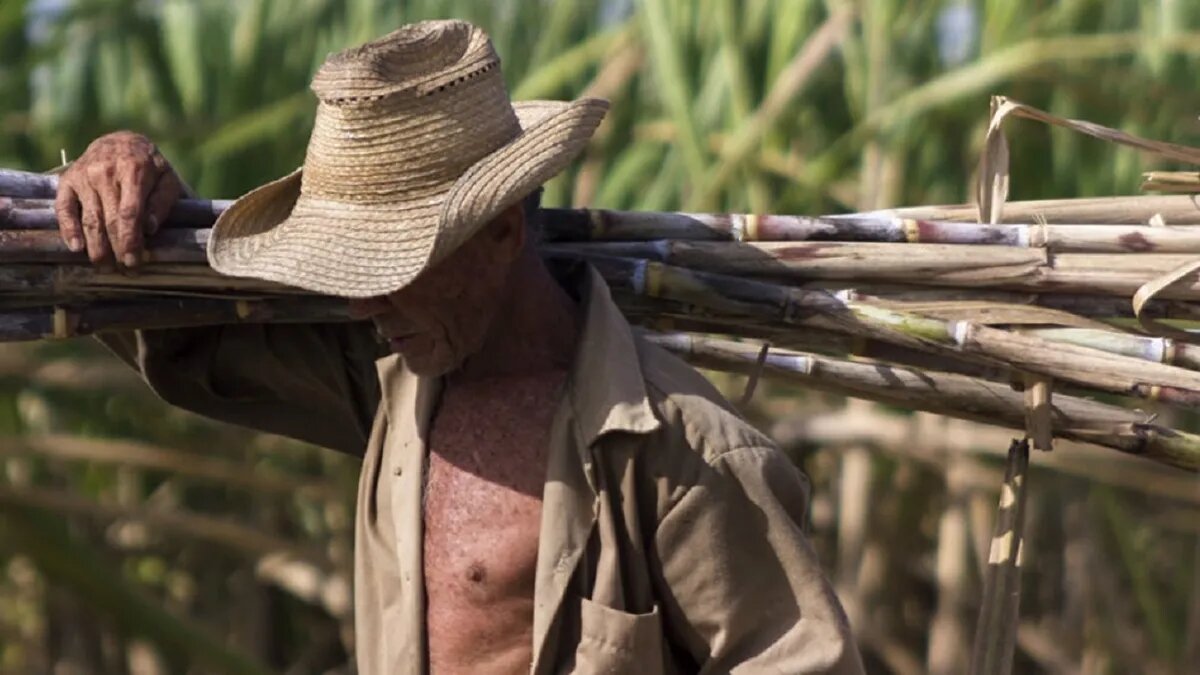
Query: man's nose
pixel 365 308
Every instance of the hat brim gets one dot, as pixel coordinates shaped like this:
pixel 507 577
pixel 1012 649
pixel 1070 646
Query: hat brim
pixel 271 233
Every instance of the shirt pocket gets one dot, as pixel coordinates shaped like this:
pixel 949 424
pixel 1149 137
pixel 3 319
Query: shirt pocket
pixel 613 642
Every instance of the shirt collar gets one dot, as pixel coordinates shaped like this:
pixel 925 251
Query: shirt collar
pixel 606 390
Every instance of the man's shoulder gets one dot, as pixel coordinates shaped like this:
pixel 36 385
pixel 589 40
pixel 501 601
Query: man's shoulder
pixel 695 417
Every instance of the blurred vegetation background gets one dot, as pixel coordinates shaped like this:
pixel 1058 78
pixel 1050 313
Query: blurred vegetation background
pixel 139 539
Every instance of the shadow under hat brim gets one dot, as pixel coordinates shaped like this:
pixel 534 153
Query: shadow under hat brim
pixel 271 233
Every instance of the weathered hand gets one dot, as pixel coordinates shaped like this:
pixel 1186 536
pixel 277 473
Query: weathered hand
pixel 119 189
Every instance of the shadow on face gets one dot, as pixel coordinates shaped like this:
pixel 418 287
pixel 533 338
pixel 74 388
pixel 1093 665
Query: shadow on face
pixel 443 317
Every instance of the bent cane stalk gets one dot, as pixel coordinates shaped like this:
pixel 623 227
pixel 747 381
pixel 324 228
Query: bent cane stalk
pixel 999 612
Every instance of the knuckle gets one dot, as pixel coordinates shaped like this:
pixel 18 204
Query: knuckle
pixel 100 170
pixel 129 212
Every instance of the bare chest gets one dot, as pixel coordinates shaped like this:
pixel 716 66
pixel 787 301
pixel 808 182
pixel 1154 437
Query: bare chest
pixel 483 495
pixel 483 499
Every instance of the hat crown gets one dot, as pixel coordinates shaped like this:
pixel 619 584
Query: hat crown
pixel 416 59
pixel 405 116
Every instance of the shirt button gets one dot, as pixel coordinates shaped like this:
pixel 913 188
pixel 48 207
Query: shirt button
pixel 398 470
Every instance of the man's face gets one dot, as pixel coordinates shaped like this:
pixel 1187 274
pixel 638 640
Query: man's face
pixel 444 315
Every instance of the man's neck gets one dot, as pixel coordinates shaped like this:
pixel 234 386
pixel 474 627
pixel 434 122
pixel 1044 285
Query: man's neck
pixel 535 330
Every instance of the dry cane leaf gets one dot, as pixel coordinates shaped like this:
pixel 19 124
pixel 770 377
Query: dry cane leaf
pixel 1151 289
pixel 993 166
pixel 1182 153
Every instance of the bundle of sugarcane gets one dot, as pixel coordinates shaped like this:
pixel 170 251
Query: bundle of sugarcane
pixel 920 307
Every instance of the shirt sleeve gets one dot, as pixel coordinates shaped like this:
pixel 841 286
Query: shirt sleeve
pixel 315 383
pixel 741 589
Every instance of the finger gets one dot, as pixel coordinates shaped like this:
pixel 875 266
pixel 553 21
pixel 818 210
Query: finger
pixel 67 210
pixel 135 183
pixel 99 251
pixel 102 177
pixel 165 194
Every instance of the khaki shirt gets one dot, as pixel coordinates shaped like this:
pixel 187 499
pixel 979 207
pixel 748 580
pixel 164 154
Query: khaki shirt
pixel 671 537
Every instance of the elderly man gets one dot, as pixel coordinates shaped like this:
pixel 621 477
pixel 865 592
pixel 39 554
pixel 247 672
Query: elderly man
pixel 541 490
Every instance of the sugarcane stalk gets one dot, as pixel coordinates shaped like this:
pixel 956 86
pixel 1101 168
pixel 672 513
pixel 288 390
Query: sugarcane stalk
pixel 26 203
pixel 1127 210
pixel 18 213
pixel 676 316
pixel 1155 349
pixel 999 613
pixel 953 395
pixel 70 321
pixel 951 303
pixel 1132 210
pixel 947 303
pixel 933 264
pixel 188 246
pixel 748 299
pixel 1083 366
pixel 879 227
pixel 915 264
pixel 817 340
pixel 46 246
pixel 187 279
pixel 567 225
pixel 27 185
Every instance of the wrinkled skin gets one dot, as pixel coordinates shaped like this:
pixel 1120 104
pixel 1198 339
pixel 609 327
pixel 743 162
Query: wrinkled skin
pixel 493 322
pixel 121 188
pixel 443 316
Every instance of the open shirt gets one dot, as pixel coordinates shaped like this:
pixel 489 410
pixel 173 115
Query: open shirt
pixel 671 537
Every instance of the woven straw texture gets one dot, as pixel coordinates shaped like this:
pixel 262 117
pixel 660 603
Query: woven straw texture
pixel 415 147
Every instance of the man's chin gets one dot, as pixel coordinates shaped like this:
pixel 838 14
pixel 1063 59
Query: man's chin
pixel 427 365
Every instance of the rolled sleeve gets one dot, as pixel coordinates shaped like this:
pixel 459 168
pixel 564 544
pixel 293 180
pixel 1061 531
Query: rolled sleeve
pixel 742 589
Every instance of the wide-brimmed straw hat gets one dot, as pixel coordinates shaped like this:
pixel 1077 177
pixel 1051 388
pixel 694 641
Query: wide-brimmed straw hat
pixel 416 146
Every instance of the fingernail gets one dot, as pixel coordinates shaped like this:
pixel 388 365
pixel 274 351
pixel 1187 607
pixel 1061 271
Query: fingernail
pixel 131 259
pixel 75 244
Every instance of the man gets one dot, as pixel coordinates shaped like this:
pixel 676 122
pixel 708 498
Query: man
pixel 541 490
